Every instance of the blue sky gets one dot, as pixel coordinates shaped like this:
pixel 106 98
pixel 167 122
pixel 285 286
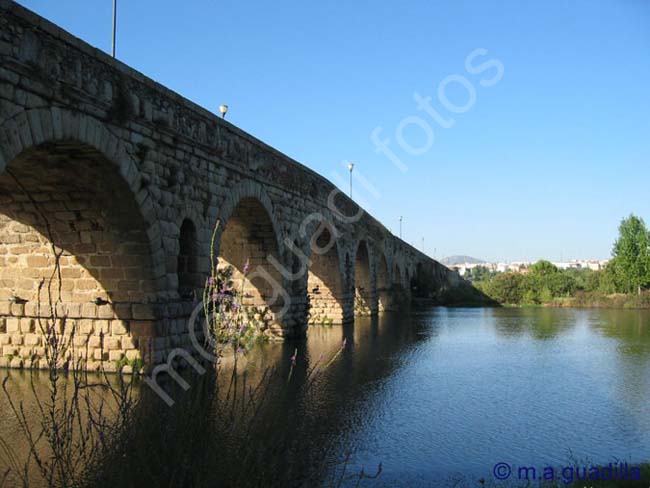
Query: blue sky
pixel 543 164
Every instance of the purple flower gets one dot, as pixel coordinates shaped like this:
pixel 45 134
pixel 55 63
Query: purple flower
pixel 235 306
pixel 247 267
pixel 211 281
pixel 293 358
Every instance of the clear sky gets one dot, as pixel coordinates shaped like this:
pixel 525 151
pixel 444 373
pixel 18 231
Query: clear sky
pixel 541 163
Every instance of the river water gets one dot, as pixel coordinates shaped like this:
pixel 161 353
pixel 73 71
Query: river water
pixel 443 394
pixel 446 393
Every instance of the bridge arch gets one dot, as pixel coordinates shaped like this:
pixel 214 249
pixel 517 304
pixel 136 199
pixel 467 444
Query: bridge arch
pixel 398 275
pixel 98 246
pixel 248 242
pixel 364 294
pixel 325 277
pixel 383 282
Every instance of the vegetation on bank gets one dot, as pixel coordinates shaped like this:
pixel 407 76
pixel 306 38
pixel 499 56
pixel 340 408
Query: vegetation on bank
pixel 623 283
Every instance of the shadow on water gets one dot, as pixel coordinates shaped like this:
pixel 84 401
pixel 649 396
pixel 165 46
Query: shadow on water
pixel 432 394
pixel 270 424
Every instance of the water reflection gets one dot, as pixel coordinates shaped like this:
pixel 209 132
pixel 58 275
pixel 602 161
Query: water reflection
pixel 446 392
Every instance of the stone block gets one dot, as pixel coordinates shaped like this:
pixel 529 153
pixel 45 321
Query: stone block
pixel 25 352
pixel 100 355
pixel 129 342
pixel 81 340
pixel 118 328
pixel 142 311
pixel 105 312
pixel 32 340
pixel 111 343
pixel 132 354
pixel 27 325
pixel 115 355
pixel 102 326
pixel 141 328
pixel 16 363
pixel 85 326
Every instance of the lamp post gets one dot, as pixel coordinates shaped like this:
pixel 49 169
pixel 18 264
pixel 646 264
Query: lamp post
pixel 223 110
pixel 114 26
pixel 350 167
pixel 400 226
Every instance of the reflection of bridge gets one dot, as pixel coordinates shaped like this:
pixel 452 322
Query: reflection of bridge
pixel 127 180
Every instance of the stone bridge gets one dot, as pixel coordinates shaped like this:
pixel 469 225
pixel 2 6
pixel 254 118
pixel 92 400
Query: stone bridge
pixel 121 182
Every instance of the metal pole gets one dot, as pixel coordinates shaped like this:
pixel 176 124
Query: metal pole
pixel 350 184
pixel 114 25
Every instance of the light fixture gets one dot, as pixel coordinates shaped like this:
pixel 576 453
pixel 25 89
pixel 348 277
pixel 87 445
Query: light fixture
pixel 223 110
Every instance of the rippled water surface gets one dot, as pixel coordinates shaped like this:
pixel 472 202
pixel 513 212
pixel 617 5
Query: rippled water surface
pixel 447 393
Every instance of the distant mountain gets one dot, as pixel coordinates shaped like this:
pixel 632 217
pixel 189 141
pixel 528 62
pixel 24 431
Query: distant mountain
pixel 452 260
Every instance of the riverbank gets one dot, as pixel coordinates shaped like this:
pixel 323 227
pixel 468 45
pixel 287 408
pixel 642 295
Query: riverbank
pixel 592 300
pixel 599 300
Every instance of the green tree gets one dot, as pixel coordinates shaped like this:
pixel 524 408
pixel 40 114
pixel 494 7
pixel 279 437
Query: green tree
pixel 505 288
pixel 631 256
pixel 479 273
pixel 543 268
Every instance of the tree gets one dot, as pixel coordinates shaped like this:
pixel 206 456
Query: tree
pixel 543 268
pixel 631 255
pixel 505 288
pixel 479 273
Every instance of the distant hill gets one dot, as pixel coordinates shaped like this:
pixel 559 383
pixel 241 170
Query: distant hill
pixel 452 260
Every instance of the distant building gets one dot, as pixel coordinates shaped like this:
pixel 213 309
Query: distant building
pixel 524 266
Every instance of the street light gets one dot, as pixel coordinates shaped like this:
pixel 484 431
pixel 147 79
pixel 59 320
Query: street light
pixel 223 110
pixel 114 26
pixel 350 167
pixel 400 226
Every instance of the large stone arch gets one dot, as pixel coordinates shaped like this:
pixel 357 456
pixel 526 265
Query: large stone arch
pixel 246 189
pixel 399 270
pixel 383 281
pixel 326 284
pixel 248 242
pixel 72 197
pixel 365 298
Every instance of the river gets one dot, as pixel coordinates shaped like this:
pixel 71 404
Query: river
pixel 443 394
